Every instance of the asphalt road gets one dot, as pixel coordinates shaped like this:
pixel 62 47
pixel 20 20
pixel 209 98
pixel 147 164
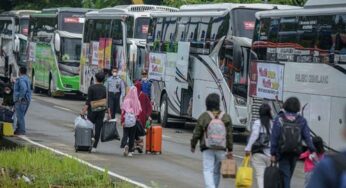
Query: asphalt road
pixel 50 122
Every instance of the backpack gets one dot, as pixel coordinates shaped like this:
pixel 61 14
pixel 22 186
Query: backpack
pixel 215 134
pixel 130 119
pixel 146 87
pixel 340 168
pixel 273 177
pixel 291 137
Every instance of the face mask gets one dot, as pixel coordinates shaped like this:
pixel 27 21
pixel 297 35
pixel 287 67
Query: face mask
pixel 115 74
pixel 144 78
pixel 7 92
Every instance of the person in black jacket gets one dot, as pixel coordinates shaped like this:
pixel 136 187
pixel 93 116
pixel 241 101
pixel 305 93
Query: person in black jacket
pixel 96 92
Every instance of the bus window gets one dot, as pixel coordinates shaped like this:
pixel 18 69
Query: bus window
pixel 151 30
pixel 117 36
pixel 244 22
pixel 340 39
pixel 306 38
pixel 169 34
pixel 43 28
pixel 141 27
pixel 71 22
pixel 192 31
pixel 7 27
pixel 130 24
pixel 324 41
pixel 24 26
pixel 203 29
pixel 182 29
pixel 219 27
pixel 287 39
pixel 158 30
pixel 89 25
pixel 261 34
pixel 101 30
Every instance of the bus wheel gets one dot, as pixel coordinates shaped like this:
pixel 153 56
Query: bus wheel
pixel 164 111
pixel 51 90
pixel 34 87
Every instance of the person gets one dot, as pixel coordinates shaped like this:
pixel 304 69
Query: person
pixel 116 92
pixel 144 116
pixel 310 160
pixel 330 171
pixel 21 98
pixel 130 107
pixel 146 84
pixel 289 118
pixel 212 156
pixel 260 155
pixel 96 93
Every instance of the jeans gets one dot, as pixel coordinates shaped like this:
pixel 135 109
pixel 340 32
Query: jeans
pixel 97 119
pixel 260 162
pixel 211 167
pixel 129 138
pixel 114 103
pixel 21 109
pixel 287 164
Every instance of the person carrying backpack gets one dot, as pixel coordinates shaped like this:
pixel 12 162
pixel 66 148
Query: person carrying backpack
pixel 288 132
pixel 259 143
pixel 330 172
pixel 214 133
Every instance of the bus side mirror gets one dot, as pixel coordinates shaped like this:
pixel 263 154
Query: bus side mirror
pixel 57 42
pixel 16 44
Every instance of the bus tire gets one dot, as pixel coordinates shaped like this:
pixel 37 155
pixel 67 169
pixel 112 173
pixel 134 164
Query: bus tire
pixel 51 90
pixel 163 117
pixel 34 87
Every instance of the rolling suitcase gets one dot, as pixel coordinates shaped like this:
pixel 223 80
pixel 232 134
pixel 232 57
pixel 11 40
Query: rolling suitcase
pixel 148 140
pixel 83 139
pixel 154 140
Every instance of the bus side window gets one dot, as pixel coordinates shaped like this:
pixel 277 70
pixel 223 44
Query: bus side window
pixel 324 41
pixel 287 35
pixel 182 29
pixel 340 39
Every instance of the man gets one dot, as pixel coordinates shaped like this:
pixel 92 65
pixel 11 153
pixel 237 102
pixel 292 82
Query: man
pixel 288 129
pixel 145 84
pixel 21 98
pixel 331 171
pixel 116 92
pixel 213 154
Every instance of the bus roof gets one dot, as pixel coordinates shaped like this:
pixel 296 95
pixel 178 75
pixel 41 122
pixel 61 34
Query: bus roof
pixel 65 9
pixel 324 3
pixel 19 13
pixel 230 6
pixel 202 13
pixel 105 15
pixel 302 12
pixel 139 8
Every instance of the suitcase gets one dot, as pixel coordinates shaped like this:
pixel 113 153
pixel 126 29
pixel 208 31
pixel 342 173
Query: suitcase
pixel 154 140
pixel 83 139
pixel 148 140
pixel 7 129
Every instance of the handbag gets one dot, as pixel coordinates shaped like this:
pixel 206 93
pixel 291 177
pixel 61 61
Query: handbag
pixel 109 131
pixel 140 131
pixel 228 168
pixel 244 174
pixel 261 143
pixel 273 177
pixel 98 105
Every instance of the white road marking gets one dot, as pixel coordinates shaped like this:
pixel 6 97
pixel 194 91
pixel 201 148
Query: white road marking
pixel 62 108
pixel 164 136
pixel 85 163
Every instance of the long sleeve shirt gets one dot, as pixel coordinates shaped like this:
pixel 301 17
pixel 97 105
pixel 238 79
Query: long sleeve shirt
pixel 257 128
pixel 115 84
pixel 22 90
pixel 276 132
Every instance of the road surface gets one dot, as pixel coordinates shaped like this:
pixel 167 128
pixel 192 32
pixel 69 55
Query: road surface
pixel 50 122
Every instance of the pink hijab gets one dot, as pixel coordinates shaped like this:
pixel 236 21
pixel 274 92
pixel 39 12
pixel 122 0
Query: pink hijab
pixel 131 102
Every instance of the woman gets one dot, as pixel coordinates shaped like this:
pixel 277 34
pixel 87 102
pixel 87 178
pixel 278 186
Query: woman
pixel 96 106
pixel 260 150
pixel 130 107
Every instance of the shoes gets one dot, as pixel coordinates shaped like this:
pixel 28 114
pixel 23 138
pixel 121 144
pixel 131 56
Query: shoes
pixel 19 133
pixel 93 150
pixel 130 154
pixel 126 151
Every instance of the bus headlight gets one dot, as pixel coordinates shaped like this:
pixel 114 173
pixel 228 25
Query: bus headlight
pixel 240 101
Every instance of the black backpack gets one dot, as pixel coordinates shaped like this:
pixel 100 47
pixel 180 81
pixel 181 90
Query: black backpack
pixel 273 177
pixel 291 136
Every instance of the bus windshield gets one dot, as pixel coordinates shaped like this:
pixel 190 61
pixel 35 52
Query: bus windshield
pixel 71 22
pixel 70 49
pixel 244 22
pixel 24 26
pixel 141 27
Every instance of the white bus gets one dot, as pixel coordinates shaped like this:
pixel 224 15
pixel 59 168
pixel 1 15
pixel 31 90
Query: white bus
pixel 13 41
pixel 199 50
pixel 302 53
pixel 136 19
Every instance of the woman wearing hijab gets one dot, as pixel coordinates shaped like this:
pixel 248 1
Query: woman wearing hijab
pixel 130 110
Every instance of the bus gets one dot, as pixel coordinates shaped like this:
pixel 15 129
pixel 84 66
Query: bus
pixel 199 50
pixel 13 41
pixel 55 40
pixel 302 53
pixel 131 50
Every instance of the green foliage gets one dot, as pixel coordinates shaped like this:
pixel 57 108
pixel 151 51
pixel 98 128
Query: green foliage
pixel 43 168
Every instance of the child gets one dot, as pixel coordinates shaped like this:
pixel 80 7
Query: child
pixel 311 160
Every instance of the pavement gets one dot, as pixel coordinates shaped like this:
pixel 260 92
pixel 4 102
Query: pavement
pixel 50 122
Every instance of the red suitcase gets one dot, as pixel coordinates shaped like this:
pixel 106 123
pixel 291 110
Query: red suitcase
pixel 154 140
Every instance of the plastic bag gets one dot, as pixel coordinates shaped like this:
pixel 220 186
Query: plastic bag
pixel 244 174
pixel 83 123
pixel 109 131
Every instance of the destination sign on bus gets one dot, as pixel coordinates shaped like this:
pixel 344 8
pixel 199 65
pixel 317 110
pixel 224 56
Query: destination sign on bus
pixel 74 20
pixel 249 25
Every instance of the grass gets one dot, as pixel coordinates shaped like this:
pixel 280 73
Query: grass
pixel 45 169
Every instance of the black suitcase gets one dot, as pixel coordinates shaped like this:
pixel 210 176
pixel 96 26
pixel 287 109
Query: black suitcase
pixel 83 139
